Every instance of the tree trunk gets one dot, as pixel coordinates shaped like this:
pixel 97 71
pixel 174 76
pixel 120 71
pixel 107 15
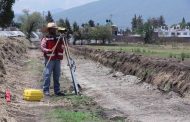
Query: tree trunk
pixel 104 42
pixel 74 42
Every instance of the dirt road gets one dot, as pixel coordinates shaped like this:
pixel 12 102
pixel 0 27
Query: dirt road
pixel 128 95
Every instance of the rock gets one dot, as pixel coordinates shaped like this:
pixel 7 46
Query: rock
pixel 117 74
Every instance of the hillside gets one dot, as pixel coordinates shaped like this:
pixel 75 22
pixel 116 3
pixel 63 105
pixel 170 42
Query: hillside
pixel 123 11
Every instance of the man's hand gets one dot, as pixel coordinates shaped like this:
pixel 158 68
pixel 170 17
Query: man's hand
pixel 51 50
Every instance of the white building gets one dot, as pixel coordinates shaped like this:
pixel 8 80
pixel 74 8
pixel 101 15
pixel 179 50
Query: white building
pixel 174 31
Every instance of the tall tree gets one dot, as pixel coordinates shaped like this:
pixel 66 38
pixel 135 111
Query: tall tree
pixel 75 27
pixel 134 23
pixel 76 32
pixel 154 22
pixel 91 23
pixel 188 24
pixel 49 17
pixel 68 27
pixel 148 33
pixel 183 23
pixel 140 25
pixel 6 12
pixel 161 21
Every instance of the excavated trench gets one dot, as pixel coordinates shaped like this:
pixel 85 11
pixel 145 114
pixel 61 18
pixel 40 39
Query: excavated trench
pixel 167 74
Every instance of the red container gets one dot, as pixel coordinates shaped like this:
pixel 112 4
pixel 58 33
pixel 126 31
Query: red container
pixel 8 95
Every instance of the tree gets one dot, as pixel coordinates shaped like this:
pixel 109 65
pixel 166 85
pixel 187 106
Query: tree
pixel 140 24
pixel 137 24
pixel 104 33
pixel 188 24
pixel 49 17
pixel 154 22
pixel 6 12
pixel 76 32
pixel 68 27
pixel 162 21
pixel 66 24
pixel 148 33
pixel 96 33
pixel 61 23
pixel 91 23
pixel 16 24
pixel 134 23
pixel 30 22
pixel 75 27
pixel 183 23
pixel 127 31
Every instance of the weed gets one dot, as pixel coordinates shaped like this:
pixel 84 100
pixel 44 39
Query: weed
pixel 144 51
pixel 182 56
pixel 171 55
pixel 61 115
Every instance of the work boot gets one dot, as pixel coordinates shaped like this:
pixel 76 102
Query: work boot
pixel 59 94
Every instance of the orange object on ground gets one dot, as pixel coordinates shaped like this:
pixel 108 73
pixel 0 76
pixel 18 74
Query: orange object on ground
pixel 8 95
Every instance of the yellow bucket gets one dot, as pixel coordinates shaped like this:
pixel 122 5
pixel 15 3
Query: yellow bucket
pixel 32 95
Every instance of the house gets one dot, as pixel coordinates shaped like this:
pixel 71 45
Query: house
pixel 174 31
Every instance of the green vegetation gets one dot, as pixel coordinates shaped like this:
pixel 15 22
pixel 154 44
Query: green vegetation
pixel 151 50
pixel 6 12
pixel 146 29
pixel 103 33
pixel 49 17
pixel 61 115
pixel 81 109
pixel 66 24
pixel 30 22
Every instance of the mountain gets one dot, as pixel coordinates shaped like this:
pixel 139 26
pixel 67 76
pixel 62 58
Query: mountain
pixel 56 10
pixel 53 11
pixel 122 11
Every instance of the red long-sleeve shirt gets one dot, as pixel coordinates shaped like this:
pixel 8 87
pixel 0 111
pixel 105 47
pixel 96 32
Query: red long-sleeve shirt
pixel 43 46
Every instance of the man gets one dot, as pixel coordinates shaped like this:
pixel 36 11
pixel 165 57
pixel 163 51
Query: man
pixel 53 49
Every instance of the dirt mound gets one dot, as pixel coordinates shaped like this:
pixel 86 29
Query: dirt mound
pixel 167 74
pixel 11 53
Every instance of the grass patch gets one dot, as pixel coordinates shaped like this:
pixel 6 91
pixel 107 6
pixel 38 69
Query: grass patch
pixel 82 109
pixel 61 115
pixel 168 51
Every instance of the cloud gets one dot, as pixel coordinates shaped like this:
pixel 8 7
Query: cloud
pixel 44 5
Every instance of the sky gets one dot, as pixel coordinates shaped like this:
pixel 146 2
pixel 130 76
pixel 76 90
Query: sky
pixel 45 5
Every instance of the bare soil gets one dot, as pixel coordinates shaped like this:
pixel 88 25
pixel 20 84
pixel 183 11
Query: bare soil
pixel 127 96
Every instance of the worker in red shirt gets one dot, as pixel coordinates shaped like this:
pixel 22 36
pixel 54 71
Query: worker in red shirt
pixel 52 60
